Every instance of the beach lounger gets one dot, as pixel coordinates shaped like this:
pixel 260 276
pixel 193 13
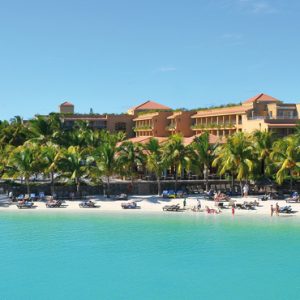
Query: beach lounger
pixel 26 204
pixel 293 199
pixel 32 196
pixel 129 205
pixel 171 194
pixel 175 207
pixel 20 197
pixel 41 195
pixel 241 206
pixel 286 209
pixel 88 204
pixel 121 197
pixel 53 204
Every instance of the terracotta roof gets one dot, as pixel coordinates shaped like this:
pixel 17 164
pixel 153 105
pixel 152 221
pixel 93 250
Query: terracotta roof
pixel 213 139
pixel 150 105
pixel 263 98
pixel 67 104
pixel 146 139
pixel 146 116
pixel 220 111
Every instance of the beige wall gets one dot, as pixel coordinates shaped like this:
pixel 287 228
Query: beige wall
pixel 182 122
pixel 252 125
pixel 160 122
pixel 114 121
pixel 66 109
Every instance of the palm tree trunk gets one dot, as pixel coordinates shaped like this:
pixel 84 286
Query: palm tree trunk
pixel 158 185
pixel 206 177
pixel 108 187
pixel 263 166
pixel 241 187
pixel 78 186
pixel 232 181
pixel 27 185
pixel 132 178
pixel 176 180
pixel 52 183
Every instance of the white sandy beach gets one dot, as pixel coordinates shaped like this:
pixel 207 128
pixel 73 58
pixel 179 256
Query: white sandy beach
pixel 148 204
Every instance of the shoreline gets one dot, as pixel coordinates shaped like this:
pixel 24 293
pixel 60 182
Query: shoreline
pixel 154 204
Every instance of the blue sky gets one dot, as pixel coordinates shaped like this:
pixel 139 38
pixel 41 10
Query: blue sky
pixel 110 55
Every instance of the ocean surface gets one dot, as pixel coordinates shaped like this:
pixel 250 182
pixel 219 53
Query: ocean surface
pixel 141 256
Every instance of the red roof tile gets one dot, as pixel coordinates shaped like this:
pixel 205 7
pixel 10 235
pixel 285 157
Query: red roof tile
pixel 213 139
pixel 263 98
pixel 150 105
pixel 67 104
pixel 146 139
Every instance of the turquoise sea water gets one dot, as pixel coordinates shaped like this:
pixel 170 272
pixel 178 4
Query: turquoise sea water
pixel 134 256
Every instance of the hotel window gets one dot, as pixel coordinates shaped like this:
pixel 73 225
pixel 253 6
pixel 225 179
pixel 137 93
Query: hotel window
pixel 120 126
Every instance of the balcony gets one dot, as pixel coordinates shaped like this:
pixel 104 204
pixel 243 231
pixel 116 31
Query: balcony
pixel 227 125
pixel 287 117
pixel 171 127
pixel 143 128
pixel 278 117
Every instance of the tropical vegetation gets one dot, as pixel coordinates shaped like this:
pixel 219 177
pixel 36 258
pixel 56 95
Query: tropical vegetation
pixel 44 147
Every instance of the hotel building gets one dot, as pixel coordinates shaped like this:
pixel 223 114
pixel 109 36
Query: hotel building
pixel 151 119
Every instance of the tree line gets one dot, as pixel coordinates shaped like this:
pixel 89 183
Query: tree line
pixel 44 146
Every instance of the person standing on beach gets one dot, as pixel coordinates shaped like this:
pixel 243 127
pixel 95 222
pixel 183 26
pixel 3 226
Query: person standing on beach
pixel 272 210
pixel 198 204
pixel 245 190
pixel 184 203
pixel 233 209
pixel 277 209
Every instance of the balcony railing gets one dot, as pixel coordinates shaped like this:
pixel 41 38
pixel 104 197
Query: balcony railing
pixel 287 117
pixel 171 127
pixel 213 126
pixel 144 128
pixel 273 118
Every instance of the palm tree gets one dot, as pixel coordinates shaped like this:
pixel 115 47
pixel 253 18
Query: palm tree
pixel 176 155
pixel 41 130
pixel 4 158
pixel 23 163
pixel 105 158
pixel 130 158
pixel 14 133
pixel 235 156
pixel 73 163
pixel 203 154
pixel 286 155
pixel 263 143
pixel 49 156
pixel 154 160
